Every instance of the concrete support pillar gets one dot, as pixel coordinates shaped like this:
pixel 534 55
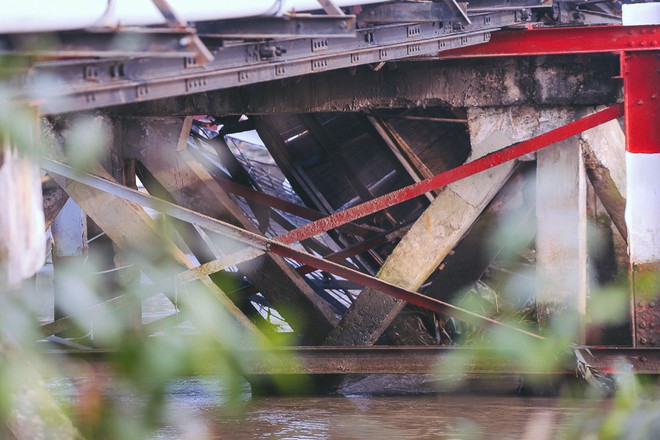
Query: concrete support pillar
pixel 28 410
pixel 641 89
pixel 22 234
pixel 69 231
pixel 446 220
pixel 561 237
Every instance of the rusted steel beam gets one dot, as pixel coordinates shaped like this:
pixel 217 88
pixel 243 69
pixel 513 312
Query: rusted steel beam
pixel 338 256
pixel 284 205
pixel 425 360
pixel 645 285
pixel 421 360
pixel 453 175
pixel 260 244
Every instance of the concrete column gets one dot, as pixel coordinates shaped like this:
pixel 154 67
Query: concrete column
pixel 561 237
pixel 28 410
pixel 641 90
pixel 22 234
pixel 69 231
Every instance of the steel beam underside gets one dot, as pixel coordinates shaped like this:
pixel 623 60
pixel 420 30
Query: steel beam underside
pixel 68 86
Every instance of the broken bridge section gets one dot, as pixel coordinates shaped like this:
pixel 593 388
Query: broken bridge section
pixel 398 164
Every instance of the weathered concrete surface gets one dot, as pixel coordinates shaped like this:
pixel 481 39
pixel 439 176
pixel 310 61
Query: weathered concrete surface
pixel 70 231
pixel 22 233
pixel 154 142
pixel 482 244
pixel 446 220
pixel 569 80
pixel 561 236
pixel 54 199
pixel 69 246
pixel 603 152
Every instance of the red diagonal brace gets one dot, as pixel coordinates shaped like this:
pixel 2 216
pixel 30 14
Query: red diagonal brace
pixel 439 180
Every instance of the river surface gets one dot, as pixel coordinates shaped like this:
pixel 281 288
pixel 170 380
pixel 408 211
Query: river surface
pixel 199 408
pixel 374 407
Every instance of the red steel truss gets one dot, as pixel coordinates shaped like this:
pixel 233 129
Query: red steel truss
pixel 641 91
pixel 562 41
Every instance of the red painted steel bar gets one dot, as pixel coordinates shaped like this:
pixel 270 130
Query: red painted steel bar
pixel 268 200
pixel 337 257
pixel 284 205
pixel 562 41
pixel 410 296
pixel 453 175
pixel 641 91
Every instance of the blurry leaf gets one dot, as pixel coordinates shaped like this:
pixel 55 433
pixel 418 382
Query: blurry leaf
pixel 609 306
pixel 85 142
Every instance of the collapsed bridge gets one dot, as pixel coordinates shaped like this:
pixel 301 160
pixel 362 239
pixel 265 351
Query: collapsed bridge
pixel 349 173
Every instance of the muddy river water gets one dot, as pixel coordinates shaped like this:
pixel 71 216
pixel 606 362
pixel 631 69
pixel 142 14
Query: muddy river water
pixel 199 408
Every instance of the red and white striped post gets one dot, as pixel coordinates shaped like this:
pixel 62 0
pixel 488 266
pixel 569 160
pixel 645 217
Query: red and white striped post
pixel 641 88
